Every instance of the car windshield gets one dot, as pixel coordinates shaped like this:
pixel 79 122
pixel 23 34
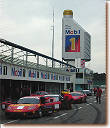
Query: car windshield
pixel 28 101
pixel 86 91
pixel 75 94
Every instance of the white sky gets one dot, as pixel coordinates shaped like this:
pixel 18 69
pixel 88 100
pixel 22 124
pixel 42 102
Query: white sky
pixel 28 23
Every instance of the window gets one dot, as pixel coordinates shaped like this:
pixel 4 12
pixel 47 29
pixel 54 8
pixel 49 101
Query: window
pixel 4 70
pixel 28 101
pixel 79 75
pixel 24 72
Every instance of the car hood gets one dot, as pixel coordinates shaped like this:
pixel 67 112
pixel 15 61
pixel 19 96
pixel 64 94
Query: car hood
pixel 76 97
pixel 22 107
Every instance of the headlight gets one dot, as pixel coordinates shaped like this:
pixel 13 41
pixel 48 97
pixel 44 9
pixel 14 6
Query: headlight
pixel 30 108
pixel 8 108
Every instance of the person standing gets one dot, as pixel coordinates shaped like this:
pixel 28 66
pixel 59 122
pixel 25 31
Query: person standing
pixel 98 95
pixel 94 89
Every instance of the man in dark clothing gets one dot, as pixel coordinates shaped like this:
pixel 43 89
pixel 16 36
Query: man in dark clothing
pixel 98 95
pixel 67 101
pixel 94 89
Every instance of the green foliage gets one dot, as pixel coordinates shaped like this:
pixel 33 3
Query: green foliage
pixel 99 79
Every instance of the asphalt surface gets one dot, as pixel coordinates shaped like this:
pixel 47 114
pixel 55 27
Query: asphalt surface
pixel 90 113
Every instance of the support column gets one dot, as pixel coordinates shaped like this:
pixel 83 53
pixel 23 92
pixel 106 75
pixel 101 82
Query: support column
pixel 26 57
pixel 12 53
pixel 46 62
pixel 37 60
pixel 65 86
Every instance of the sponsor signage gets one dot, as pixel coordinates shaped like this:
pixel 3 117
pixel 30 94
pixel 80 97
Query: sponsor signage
pixel 32 74
pixel 17 72
pixel 72 41
pixel 20 73
pixel 76 41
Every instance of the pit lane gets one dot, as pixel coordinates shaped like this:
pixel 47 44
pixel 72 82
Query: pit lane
pixel 85 113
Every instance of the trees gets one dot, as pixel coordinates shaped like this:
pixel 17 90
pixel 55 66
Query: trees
pixel 99 79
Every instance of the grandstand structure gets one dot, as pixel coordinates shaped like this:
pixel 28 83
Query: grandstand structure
pixel 24 69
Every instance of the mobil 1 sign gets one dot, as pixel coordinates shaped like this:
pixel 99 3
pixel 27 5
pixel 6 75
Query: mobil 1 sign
pixel 72 41
pixel 75 40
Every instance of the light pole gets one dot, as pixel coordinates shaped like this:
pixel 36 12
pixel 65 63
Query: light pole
pixel 53 40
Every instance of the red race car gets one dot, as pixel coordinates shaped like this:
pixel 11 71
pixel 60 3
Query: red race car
pixel 30 106
pixel 39 93
pixel 78 97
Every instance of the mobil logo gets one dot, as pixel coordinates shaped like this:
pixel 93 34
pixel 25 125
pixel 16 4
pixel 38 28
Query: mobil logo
pixel 72 32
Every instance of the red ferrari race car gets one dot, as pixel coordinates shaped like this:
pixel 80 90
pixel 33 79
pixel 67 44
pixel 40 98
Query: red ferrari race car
pixel 30 106
pixel 78 97
pixel 39 93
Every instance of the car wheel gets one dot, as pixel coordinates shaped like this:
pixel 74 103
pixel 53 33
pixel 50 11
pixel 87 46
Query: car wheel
pixel 40 114
pixel 7 115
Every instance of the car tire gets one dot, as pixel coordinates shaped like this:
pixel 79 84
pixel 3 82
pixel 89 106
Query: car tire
pixel 7 115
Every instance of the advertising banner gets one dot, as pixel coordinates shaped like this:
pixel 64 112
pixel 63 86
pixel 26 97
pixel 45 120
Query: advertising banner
pixel 72 43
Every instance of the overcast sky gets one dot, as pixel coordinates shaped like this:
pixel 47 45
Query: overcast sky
pixel 28 23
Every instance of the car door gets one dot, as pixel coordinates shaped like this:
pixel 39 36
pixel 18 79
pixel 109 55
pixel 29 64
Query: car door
pixel 49 105
pixel 57 103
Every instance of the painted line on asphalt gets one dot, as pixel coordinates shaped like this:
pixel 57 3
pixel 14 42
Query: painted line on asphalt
pixel 79 107
pixel 75 109
pixel 10 121
pixel 91 98
pixel 88 103
pixel 60 115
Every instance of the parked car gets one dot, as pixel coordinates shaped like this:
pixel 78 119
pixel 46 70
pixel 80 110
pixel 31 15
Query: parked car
pixel 55 100
pixel 87 92
pixel 78 97
pixel 39 93
pixel 30 106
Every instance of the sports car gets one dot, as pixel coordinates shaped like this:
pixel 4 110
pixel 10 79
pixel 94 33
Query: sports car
pixel 78 97
pixel 29 106
pixel 55 100
pixel 87 92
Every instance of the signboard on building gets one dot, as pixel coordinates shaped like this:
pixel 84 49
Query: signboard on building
pixel 8 71
pixel 76 42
